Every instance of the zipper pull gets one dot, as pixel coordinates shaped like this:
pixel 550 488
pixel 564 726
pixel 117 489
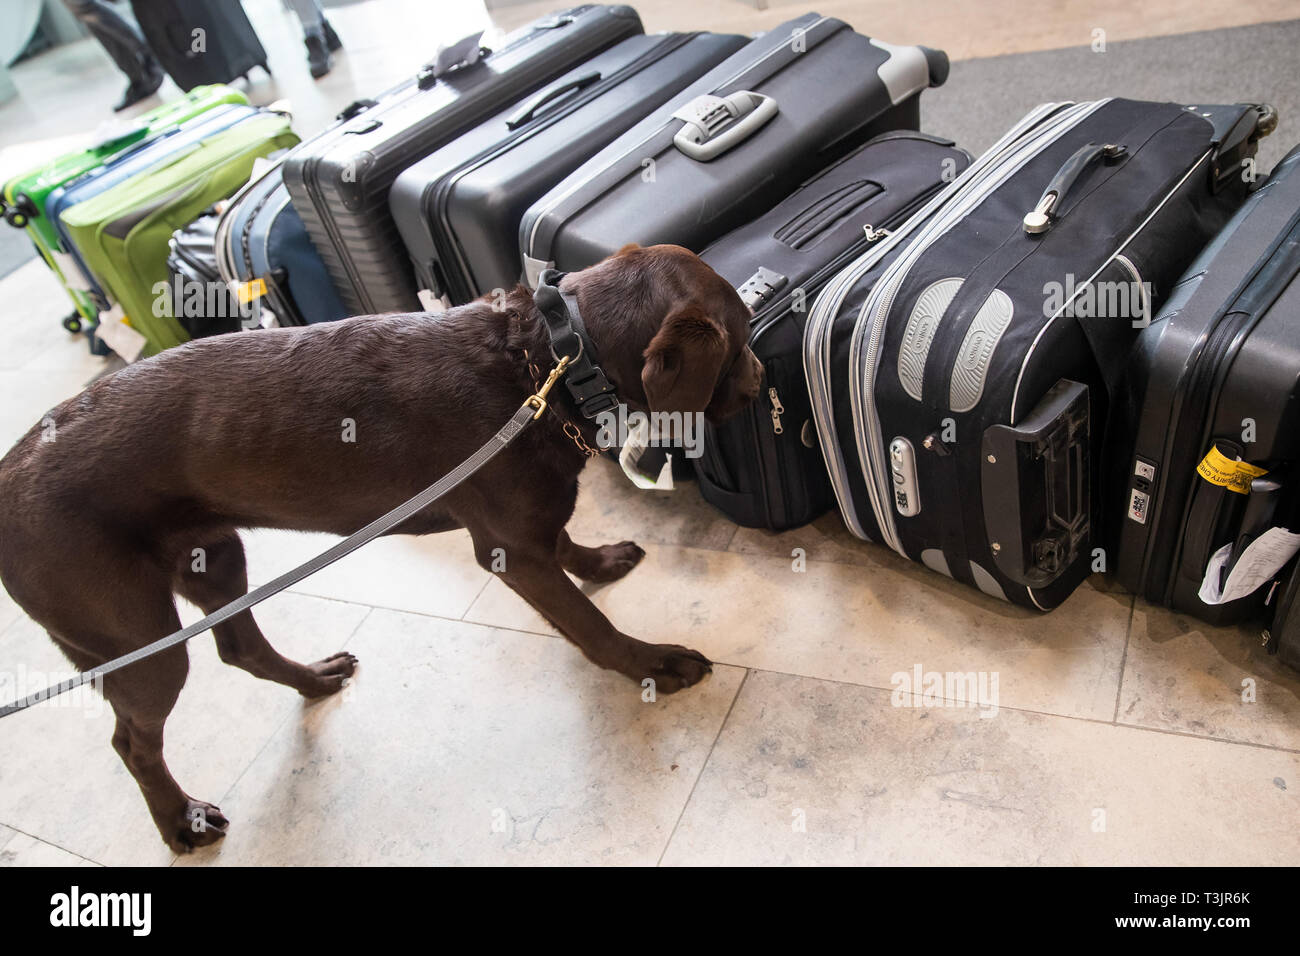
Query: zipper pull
pixel 777 410
pixel 873 233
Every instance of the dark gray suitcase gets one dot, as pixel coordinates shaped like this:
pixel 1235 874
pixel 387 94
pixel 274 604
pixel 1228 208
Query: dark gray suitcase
pixel 763 468
pixel 339 181
pixel 458 210
pixel 1219 368
pixel 962 374
pixel 733 144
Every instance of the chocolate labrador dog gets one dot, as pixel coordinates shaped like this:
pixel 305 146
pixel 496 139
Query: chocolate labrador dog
pixel 182 450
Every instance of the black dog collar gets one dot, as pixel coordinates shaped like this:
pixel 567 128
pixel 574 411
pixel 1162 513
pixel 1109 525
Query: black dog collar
pixel 590 388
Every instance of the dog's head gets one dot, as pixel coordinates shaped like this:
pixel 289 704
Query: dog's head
pixel 673 335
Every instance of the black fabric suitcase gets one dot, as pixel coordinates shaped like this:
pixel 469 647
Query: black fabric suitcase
pixel 732 145
pixel 200 301
pixel 763 468
pixel 227 47
pixel 962 371
pixel 1209 424
pixel 339 181
pixel 458 210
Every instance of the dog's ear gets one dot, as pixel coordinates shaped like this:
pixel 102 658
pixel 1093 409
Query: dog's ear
pixel 683 361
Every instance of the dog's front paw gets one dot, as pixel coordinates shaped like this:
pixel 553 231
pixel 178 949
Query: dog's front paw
pixel 673 667
pixel 616 560
pixel 201 824
pixel 328 675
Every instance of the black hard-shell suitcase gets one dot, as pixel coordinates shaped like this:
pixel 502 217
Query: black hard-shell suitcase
pixel 1209 422
pixel 763 468
pixel 732 145
pixel 459 209
pixel 1282 636
pixel 200 41
pixel 962 372
pixel 339 181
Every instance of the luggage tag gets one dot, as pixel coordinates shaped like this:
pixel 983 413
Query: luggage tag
pixel 647 465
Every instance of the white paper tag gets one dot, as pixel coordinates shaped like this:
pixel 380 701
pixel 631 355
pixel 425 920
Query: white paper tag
pixel 638 440
pixel 119 336
pixel 1262 559
pixel 431 302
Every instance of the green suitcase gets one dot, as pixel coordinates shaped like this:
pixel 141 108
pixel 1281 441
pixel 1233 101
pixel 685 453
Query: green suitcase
pixel 123 233
pixel 23 199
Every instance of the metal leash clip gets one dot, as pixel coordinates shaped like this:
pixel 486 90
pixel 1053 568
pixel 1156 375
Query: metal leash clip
pixel 538 399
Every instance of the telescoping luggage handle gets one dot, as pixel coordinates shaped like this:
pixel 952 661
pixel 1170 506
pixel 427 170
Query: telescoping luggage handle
pixel 714 124
pixel 1034 479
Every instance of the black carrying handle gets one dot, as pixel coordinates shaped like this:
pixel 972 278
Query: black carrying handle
pixel 529 111
pixel 1035 482
pixel 1045 213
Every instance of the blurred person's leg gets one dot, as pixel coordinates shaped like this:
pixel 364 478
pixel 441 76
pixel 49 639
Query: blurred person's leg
pixel 121 39
pixel 318 35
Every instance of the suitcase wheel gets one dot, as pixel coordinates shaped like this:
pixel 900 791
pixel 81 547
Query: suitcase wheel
pixel 72 322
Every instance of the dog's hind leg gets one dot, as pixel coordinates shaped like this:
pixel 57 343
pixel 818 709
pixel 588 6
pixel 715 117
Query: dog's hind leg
pixel 223 578
pixel 142 695
pixel 598 565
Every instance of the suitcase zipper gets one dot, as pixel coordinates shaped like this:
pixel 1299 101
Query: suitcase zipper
pixel 777 410
pixel 774 310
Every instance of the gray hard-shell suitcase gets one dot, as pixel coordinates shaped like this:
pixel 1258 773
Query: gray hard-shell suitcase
pixel 339 181
pixel 1217 377
pixel 732 145
pixel 962 373
pixel 459 209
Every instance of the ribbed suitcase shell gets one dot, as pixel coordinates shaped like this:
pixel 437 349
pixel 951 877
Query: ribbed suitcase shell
pixel 763 468
pixel 1219 364
pixel 459 209
pixel 340 180
pixel 833 89
pixel 961 406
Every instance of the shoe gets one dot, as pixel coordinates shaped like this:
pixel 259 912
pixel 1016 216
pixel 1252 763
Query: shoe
pixel 332 41
pixel 142 89
pixel 318 54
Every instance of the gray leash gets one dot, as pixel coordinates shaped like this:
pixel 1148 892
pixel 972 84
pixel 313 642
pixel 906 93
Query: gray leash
pixel 529 411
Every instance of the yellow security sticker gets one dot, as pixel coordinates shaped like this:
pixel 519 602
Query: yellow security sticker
pixel 1218 469
pixel 246 292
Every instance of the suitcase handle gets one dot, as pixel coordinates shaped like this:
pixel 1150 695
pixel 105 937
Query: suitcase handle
pixel 1034 479
pixel 1044 214
pixel 528 112
pixel 714 124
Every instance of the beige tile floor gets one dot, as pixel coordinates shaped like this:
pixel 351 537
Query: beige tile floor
pixel 473 735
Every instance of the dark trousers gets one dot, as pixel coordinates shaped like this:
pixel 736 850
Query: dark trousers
pixel 119 37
